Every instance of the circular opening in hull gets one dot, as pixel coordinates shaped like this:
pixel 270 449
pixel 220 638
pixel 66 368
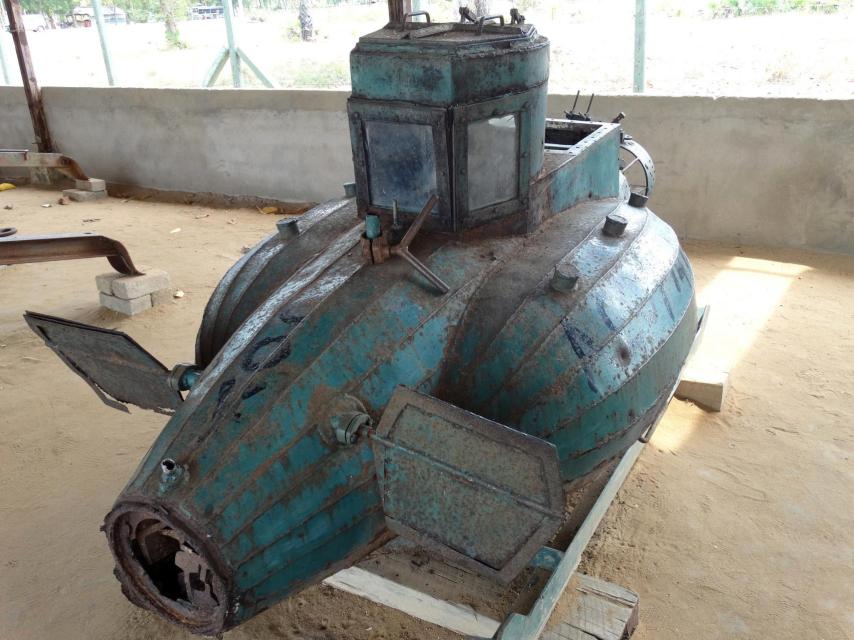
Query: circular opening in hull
pixel 163 567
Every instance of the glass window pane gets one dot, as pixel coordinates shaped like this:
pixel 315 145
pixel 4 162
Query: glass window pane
pixel 401 164
pixel 493 161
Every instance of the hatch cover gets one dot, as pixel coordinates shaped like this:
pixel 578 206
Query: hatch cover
pixel 475 491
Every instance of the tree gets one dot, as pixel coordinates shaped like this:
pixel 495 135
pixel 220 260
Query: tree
pixel 173 37
pixel 481 7
pixel 306 24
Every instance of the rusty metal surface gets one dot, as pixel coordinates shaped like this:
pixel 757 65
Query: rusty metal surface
pixel 556 339
pixel 634 154
pixel 31 86
pixel 158 552
pixel 23 158
pixel 490 511
pixel 256 276
pixel 397 9
pixel 117 368
pixel 66 246
pixel 378 250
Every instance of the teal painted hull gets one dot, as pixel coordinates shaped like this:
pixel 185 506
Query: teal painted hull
pixel 279 505
pixel 536 320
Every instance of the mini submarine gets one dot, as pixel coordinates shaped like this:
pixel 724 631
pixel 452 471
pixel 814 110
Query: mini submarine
pixel 491 313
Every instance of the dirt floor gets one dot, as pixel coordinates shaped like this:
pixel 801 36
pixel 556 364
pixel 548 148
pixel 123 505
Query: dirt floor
pixel 732 525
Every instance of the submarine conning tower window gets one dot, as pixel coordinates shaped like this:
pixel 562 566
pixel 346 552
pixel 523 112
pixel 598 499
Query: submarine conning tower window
pixel 402 164
pixel 453 110
pixel 493 165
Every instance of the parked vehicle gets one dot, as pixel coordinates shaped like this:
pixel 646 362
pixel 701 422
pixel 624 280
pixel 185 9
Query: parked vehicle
pixel 85 16
pixel 204 12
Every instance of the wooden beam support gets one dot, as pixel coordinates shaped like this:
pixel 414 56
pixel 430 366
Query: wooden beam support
pixel 44 142
pixel 595 610
pixel 459 618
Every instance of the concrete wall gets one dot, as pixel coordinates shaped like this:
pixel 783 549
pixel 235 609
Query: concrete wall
pixel 16 130
pixel 757 171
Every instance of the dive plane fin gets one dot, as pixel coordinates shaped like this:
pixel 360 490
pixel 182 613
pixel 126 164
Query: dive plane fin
pixel 118 369
pixel 477 492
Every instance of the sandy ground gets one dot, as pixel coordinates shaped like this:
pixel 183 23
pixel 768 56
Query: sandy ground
pixel 732 525
pixel 802 54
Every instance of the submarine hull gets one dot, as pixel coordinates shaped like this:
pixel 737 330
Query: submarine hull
pixel 246 497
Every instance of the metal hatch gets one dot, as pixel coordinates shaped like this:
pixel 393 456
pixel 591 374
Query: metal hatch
pixel 481 494
pixel 450 34
pixel 111 362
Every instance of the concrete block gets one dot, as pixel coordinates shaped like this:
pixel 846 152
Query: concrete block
pixel 705 388
pixel 130 287
pixel 79 195
pixel 164 296
pixel 104 282
pixel 92 184
pixel 126 307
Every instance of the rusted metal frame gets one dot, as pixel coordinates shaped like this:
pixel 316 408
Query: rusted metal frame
pixel 23 158
pixel 378 250
pixel 66 246
pixel 397 9
pixel 517 105
pixel 117 368
pixel 133 576
pixel 28 76
pixel 103 397
pixel 641 155
pixel 361 112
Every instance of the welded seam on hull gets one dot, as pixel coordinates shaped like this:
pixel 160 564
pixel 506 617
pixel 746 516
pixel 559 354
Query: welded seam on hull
pixel 535 291
pixel 560 425
pixel 241 282
pixel 298 479
pixel 188 408
pixel 538 344
pixel 370 513
pixel 345 278
pixel 644 419
pixel 223 289
pixel 367 482
pixel 666 394
pixel 573 371
pixel 287 292
pixel 305 227
pixel 204 338
pixel 231 495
